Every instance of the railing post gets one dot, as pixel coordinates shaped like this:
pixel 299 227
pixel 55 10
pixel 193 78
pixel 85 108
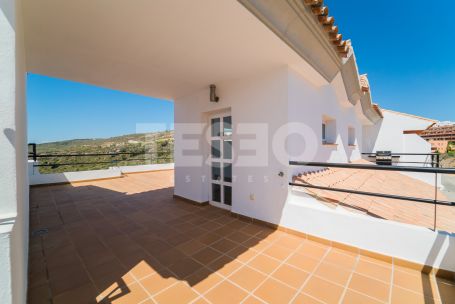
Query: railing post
pixel 435 198
pixel 33 151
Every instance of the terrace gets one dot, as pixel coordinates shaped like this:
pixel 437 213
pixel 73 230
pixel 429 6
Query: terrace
pixel 128 240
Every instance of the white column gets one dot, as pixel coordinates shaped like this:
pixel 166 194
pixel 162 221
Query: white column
pixel 13 161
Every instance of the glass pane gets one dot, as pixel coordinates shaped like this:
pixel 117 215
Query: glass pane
pixel 227 149
pixel 216 193
pixel 227 173
pixel 216 151
pixel 216 171
pixel 227 126
pixel 216 127
pixel 227 195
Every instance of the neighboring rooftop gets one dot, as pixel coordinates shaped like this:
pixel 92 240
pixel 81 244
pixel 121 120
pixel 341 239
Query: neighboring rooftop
pixel 439 132
pixel 385 182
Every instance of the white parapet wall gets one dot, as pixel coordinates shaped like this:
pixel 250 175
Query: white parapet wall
pixel 146 168
pixel 37 178
pixel 408 242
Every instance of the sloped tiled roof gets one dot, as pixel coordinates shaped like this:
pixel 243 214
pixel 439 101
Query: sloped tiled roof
pixel 364 83
pixel 386 182
pixel 439 132
pixel 342 47
pixel 328 24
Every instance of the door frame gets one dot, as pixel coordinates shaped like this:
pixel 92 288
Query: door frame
pixel 221 138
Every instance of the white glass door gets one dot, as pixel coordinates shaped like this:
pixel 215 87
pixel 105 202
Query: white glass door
pixel 221 160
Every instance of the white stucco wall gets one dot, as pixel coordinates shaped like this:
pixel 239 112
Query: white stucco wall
pixel 387 135
pixel 308 105
pixel 13 166
pixel 258 99
pixel 35 178
pixel 279 102
pixel 409 242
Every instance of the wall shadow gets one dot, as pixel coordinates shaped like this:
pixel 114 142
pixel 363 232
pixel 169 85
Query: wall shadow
pixel 444 283
pixel 94 242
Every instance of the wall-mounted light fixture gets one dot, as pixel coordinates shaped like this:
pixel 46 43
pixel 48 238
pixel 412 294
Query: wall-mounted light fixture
pixel 213 97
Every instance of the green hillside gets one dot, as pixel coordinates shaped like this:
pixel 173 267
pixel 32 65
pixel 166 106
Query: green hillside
pixel 150 148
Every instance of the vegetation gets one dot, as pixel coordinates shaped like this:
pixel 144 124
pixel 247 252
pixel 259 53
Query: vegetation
pixel 448 159
pixel 134 149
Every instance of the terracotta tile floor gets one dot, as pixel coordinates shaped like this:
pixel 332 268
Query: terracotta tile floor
pixel 128 240
pixel 386 182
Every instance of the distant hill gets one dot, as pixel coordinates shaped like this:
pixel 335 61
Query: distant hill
pixel 145 148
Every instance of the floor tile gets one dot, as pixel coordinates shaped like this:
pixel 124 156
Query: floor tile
pixel 290 242
pixel 352 297
pixel 374 288
pixel 124 295
pixel 247 277
pixel 206 255
pixel 340 259
pixel 252 300
pixel 84 294
pixel 373 270
pixel 157 282
pixel 184 267
pixel 142 269
pixel 305 299
pixel 272 291
pixel 224 245
pixel 224 265
pixel 313 250
pixel 204 279
pixel 238 237
pixel 178 293
pixel 303 262
pixel 323 290
pixel 278 252
pixel 419 283
pixel 290 275
pixel 264 263
pixel 333 273
pixel 401 295
pixel 191 247
pixel 446 290
pixel 226 293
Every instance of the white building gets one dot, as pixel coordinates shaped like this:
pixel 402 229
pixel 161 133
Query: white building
pixel 288 88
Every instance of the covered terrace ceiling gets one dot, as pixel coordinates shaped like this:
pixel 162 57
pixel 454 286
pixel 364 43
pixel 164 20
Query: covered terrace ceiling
pixel 160 48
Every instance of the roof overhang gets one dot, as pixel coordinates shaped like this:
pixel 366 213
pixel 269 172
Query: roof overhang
pixel 302 24
pixel 294 24
pixel 169 48
pixel 160 48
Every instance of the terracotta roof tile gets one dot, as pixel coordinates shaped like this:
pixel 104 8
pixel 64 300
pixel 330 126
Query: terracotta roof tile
pixel 321 11
pixel 386 182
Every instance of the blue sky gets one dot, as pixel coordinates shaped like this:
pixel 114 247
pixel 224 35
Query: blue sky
pixel 406 47
pixel 60 109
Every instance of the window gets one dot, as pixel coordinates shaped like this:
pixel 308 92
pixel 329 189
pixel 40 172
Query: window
pixel 351 136
pixel 329 130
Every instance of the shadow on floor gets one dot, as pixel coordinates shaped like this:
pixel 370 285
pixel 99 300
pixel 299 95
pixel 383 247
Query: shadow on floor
pixel 90 242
